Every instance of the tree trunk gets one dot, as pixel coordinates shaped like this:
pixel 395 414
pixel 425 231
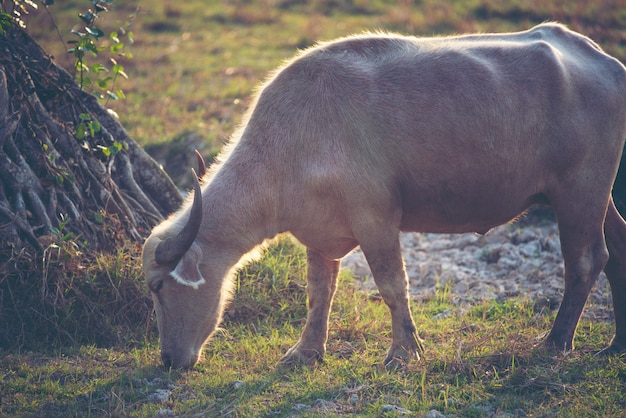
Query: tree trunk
pixel 51 182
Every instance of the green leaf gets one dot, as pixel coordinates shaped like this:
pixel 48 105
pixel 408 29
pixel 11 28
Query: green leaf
pixel 81 131
pixel 84 116
pixel 106 151
pixel 118 69
pixel 112 95
pixel 95 32
pixel 115 148
pixel 89 45
pixel 98 217
pixel 88 17
pixel 6 21
pixel 102 83
pixel 77 53
pixel 98 68
pixel 94 126
pixel 117 47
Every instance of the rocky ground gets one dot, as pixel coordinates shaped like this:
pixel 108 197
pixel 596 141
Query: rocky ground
pixel 521 259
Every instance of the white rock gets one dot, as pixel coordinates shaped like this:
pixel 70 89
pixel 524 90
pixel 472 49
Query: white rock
pixel 394 408
pixel 433 413
pixel 324 405
pixel 159 395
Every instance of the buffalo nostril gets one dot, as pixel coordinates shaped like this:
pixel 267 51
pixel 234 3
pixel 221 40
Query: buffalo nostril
pixel 167 360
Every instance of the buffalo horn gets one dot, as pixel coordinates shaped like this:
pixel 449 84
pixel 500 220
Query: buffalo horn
pixel 172 249
pixel 201 165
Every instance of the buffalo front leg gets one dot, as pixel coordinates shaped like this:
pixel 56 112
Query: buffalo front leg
pixel 387 267
pixel 321 286
pixel 615 232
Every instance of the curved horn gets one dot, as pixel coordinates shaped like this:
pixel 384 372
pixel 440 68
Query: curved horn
pixel 201 165
pixel 172 249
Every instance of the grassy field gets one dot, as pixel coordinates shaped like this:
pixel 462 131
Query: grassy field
pixel 194 67
pixel 196 63
pixel 480 361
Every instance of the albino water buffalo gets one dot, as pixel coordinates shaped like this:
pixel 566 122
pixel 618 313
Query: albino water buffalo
pixel 355 140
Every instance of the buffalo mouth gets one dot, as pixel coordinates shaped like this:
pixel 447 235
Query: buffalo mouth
pixel 172 362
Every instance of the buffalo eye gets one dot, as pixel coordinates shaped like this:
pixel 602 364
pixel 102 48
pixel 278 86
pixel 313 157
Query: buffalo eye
pixel 156 286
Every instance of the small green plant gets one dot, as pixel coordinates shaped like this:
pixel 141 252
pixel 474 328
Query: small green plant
pixel 87 127
pixel 12 12
pixel 6 21
pixel 91 73
pixel 100 78
pixel 112 150
pixel 59 232
pixel 89 42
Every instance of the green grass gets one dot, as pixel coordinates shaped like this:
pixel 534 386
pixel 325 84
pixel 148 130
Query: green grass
pixel 479 360
pixel 195 66
pixel 196 63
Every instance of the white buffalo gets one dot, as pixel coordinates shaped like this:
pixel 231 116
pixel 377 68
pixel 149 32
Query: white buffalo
pixel 355 140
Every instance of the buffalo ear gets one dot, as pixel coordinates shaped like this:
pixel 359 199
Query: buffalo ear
pixel 187 271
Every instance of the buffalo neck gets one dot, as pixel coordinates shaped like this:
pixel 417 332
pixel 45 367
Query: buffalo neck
pixel 239 205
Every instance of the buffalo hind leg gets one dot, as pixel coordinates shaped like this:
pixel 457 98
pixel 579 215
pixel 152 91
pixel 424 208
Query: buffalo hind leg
pixel 321 286
pixel 585 255
pixel 615 232
pixel 387 266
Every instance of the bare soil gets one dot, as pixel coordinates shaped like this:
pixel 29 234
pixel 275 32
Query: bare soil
pixel 514 260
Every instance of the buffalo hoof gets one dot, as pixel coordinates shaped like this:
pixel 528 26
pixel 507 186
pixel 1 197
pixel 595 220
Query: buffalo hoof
pixel 398 357
pixel 615 348
pixel 298 356
pixel 558 346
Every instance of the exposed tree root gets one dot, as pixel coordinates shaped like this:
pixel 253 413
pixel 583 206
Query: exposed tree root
pixel 52 182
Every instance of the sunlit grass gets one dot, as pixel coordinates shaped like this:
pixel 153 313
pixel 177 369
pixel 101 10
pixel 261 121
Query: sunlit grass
pixel 194 60
pixel 478 359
